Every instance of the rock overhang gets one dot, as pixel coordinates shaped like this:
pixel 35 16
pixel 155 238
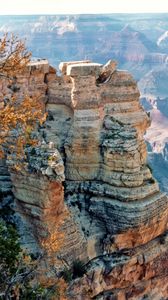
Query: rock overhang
pixel 84 69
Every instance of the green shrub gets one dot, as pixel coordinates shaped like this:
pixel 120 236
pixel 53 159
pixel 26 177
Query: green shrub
pixel 78 269
pixel 18 271
pixel 67 274
pixel 9 248
pixel 34 293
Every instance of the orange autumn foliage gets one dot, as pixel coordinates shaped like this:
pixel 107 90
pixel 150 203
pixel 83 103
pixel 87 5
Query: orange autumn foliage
pixel 18 117
pixel 55 238
pixel 52 245
pixel 59 286
pixel 13 56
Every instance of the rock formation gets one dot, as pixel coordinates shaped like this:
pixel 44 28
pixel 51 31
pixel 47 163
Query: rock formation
pixel 117 220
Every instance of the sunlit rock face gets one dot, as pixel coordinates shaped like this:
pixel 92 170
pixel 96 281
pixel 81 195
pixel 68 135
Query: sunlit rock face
pixel 117 216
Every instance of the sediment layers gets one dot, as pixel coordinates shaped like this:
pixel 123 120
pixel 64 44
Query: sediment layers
pixel 118 216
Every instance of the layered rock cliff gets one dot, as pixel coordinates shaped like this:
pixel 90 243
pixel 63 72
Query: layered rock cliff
pixel 117 220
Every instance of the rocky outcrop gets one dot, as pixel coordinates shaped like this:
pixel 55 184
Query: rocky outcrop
pixel 140 273
pixel 117 216
pixel 39 205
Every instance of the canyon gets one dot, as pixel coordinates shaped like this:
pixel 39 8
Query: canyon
pixel 90 167
pixel 137 41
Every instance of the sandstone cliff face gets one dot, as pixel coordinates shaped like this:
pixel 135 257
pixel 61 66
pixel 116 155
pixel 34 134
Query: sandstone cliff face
pixel 117 216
